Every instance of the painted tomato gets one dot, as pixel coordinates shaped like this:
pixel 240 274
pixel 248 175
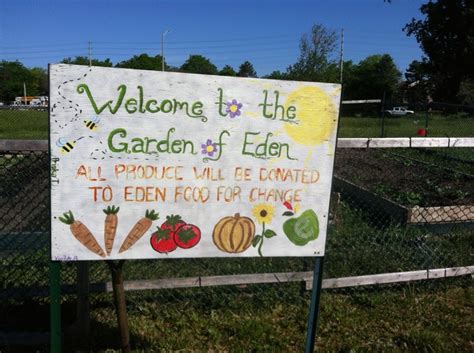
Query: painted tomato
pixel 187 236
pixel 162 241
pixel 172 223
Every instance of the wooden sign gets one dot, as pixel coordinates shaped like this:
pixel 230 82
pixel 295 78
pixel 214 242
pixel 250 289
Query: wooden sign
pixel 149 164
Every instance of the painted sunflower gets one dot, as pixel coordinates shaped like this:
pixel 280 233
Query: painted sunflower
pixel 263 212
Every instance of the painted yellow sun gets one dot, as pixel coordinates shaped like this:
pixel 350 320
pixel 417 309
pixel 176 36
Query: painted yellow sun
pixel 316 116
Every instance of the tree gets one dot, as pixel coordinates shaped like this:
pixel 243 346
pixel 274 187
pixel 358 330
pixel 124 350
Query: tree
pixel 466 93
pixel 40 76
pixel 198 64
pixel 12 76
pixel 417 87
pixel 371 78
pixel 277 75
pixel 314 62
pixel 446 36
pixel 227 71
pixel 143 62
pixel 247 70
pixel 83 60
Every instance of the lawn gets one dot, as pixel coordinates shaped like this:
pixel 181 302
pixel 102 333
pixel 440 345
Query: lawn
pixel 23 124
pixel 432 317
pixel 30 124
pixel 407 126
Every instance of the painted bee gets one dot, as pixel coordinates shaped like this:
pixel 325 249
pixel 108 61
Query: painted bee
pixel 93 123
pixel 65 145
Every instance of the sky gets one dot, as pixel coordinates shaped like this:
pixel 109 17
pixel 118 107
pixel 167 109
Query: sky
pixel 264 32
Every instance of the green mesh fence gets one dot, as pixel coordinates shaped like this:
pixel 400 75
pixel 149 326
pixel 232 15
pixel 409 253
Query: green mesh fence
pixel 392 210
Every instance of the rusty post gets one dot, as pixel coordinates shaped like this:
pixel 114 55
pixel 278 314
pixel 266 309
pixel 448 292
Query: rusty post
pixel 120 306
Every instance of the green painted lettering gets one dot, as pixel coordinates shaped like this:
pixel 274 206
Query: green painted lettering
pixel 291 108
pixel 121 146
pixel 149 104
pixel 221 103
pixel 83 88
pixel 140 95
pixel 274 149
pixel 131 105
pixel 138 145
pixel 265 105
pixel 196 109
pixel 176 146
pixel 166 106
pixel 244 149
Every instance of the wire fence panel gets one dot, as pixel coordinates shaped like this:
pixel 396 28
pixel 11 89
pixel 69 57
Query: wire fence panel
pixel 24 246
pixel 392 211
pixel 435 119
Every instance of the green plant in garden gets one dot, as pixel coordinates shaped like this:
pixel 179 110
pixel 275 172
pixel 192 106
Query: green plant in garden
pixel 411 198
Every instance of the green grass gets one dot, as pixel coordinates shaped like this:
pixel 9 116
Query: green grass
pixel 438 126
pixel 30 124
pixel 428 316
pixel 425 317
pixel 431 317
pixel 23 124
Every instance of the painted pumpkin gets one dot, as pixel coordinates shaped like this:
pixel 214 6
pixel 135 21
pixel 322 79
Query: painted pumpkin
pixel 233 234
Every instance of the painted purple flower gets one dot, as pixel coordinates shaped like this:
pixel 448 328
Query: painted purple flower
pixel 209 148
pixel 233 108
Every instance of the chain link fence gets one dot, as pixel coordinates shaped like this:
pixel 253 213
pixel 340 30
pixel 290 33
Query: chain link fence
pixel 391 212
pixel 404 211
pixel 384 119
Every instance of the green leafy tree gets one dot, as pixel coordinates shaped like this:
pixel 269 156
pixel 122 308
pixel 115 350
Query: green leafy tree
pixel 83 60
pixel 417 87
pixel 198 64
pixel 371 77
pixel 12 76
pixel 40 76
pixel 227 70
pixel 446 36
pixel 314 62
pixel 143 62
pixel 247 70
pixel 466 92
pixel 277 75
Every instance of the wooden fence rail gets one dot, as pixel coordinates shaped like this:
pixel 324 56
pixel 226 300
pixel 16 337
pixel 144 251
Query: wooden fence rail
pixel 356 142
pixel 250 279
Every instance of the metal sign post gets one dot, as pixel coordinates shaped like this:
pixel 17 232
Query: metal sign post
pixel 314 306
pixel 128 181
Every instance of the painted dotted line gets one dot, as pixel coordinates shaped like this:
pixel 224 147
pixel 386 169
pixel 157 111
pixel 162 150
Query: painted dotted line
pixel 106 154
pixel 78 111
pixel 77 108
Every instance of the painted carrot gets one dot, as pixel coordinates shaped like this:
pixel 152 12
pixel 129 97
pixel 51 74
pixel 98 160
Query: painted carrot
pixel 82 233
pixel 110 227
pixel 138 230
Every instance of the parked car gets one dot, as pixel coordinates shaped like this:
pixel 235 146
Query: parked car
pixel 399 111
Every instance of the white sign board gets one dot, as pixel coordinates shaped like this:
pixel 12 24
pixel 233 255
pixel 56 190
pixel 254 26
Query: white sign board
pixel 149 164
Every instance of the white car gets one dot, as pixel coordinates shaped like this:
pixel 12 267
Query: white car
pixel 399 111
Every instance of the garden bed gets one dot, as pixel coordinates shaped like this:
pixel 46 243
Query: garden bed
pixel 405 190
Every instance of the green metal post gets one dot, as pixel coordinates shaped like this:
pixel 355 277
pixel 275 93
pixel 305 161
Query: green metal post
pixel 314 306
pixel 55 305
pixel 382 132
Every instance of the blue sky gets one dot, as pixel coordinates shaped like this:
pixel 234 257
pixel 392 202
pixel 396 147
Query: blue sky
pixel 266 33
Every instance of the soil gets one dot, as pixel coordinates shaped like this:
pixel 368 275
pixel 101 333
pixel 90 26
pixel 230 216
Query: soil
pixel 404 180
